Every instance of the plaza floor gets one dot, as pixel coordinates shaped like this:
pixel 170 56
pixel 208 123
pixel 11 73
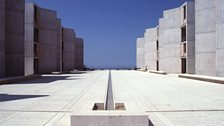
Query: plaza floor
pixel 168 100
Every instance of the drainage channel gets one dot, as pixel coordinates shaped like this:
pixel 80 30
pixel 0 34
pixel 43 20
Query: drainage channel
pixel 109 103
pixel 110 114
pixel 109 99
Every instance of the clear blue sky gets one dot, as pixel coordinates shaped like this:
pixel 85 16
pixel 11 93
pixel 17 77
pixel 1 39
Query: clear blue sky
pixel 109 27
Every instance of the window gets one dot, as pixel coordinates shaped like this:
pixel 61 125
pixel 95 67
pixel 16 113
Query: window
pixel 35 50
pixel 36 34
pixel 185 12
pixel 185 48
pixel 35 15
pixel 183 34
pixel 35 65
pixel 157 45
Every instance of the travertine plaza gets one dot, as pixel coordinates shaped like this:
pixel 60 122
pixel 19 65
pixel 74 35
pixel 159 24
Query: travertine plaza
pixel 179 81
pixel 187 40
pixel 33 41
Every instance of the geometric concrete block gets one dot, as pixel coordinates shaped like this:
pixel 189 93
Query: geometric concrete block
pixel 109 118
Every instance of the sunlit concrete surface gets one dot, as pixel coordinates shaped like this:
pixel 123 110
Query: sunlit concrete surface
pixel 168 100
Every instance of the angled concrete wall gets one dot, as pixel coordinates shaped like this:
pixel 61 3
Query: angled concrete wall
pixel 59 46
pixel 150 48
pixel 220 37
pixel 140 53
pixel 48 31
pixel 205 37
pixel 190 25
pixel 2 38
pixel 14 37
pixel 209 40
pixel 169 39
pixel 29 39
pixel 68 49
pixel 209 37
pixel 79 53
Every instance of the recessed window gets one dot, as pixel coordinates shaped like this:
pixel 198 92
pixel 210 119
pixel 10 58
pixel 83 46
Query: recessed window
pixel 185 12
pixel 157 45
pixel 36 34
pixel 183 34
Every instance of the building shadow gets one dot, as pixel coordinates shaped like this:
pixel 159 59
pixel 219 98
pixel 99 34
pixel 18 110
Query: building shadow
pixel 47 79
pixel 8 97
pixel 150 123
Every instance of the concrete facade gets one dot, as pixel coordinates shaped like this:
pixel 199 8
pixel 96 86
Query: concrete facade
pixel 209 39
pixel 2 38
pixel 151 52
pixel 29 39
pixel 68 49
pixel 14 37
pixel 48 41
pixel 59 46
pixel 170 38
pixel 176 37
pixel 43 40
pixel 79 53
pixel 140 53
pixel 170 46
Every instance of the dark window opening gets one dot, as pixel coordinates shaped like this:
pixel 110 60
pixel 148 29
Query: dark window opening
pixel 36 35
pixel 183 65
pixel 183 34
pixel 157 45
pixel 35 66
pixel 157 65
pixel 185 12
pixel 35 50
pixel 35 14
pixel 185 48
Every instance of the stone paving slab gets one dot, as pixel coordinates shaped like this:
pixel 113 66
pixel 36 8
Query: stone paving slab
pixel 168 100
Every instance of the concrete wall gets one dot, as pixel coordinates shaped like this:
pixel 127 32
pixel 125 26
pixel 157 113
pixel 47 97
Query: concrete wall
pixel 205 45
pixel 29 39
pixel 69 40
pixel 79 53
pixel 170 38
pixel 59 46
pixel 220 37
pixel 14 37
pixel 2 38
pixel 140 53
pixel 48 41
pixel 190 24
pixel 150 48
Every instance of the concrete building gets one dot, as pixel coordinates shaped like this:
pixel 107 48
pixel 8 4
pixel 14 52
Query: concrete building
pixel 31 41
pixel 42 33
pixel 2 38
pixel 79 53
pixel 140 54
pixel 12 38
pixel 152 48
pixel 209 41
pixel 68 49
pixel 176 40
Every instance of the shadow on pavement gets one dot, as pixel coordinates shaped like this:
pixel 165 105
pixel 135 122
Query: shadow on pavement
pixel 8 97
pixel 47 79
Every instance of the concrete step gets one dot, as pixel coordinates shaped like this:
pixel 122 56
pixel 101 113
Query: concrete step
pixel 203 78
